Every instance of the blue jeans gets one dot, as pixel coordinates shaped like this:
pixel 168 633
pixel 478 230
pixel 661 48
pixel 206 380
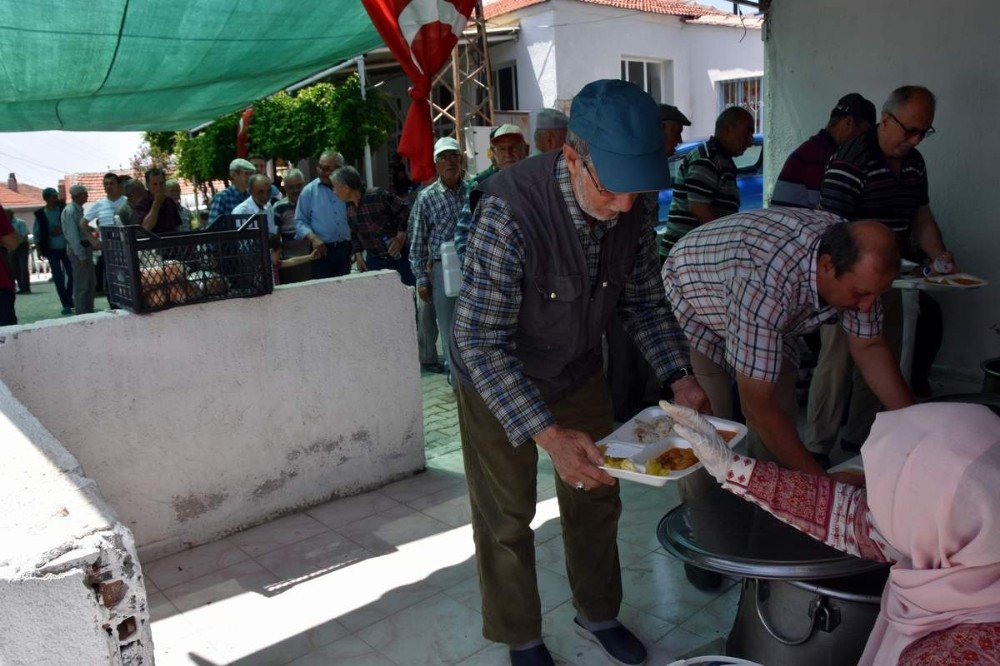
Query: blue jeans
pixel 62 275
pixel 400 265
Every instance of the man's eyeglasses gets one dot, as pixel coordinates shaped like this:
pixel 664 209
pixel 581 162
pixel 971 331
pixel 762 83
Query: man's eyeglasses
pixel 326 167
pixel 603 191
pixel 911 132
pixel 449 156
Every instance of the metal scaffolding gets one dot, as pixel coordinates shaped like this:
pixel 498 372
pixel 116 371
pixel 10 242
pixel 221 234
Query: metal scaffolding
pixel 469 81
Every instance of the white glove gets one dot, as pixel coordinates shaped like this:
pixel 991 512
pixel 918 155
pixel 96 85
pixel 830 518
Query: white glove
pixel 705 439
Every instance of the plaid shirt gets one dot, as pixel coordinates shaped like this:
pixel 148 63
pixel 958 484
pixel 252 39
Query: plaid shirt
pixel 379 213
pixel 225 201
pixel 433 221
pixel 744 287
pixel 487 309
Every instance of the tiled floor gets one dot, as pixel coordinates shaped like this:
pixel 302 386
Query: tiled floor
pixel 389 578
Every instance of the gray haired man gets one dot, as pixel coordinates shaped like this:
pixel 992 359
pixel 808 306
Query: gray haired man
pixel 321 218
pixel 80 248
pixel 561 241
pixel 550 130
pixel 284 215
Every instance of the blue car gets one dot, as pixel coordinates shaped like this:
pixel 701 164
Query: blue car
pixel 749 178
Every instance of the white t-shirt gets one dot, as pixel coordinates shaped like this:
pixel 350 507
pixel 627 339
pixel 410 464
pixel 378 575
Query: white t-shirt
pixel 250 207
pixel 103 210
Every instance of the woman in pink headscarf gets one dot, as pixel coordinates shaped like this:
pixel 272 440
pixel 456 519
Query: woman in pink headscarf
pixel 931 506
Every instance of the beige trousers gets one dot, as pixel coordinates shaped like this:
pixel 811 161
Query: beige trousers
pixel 718 385
pixel 837 385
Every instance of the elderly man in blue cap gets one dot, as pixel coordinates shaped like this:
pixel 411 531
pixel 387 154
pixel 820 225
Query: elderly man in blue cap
pixel 560 242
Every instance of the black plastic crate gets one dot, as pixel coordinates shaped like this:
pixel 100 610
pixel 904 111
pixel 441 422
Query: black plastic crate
pixel 147 272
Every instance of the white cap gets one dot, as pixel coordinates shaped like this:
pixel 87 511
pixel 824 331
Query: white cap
pixel 445 143
pixel 507 129
pixel 240 164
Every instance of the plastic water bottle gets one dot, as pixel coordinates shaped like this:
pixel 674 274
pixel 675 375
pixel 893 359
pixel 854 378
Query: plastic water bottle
pixel 451 266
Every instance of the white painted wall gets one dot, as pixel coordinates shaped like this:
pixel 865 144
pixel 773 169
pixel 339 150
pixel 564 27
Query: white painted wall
pixel 204 419
pixel 591 41
pixel 59 540
pixel 820 50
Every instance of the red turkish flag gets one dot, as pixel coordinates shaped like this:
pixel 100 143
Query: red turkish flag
pixel 421 35
pixel 243 134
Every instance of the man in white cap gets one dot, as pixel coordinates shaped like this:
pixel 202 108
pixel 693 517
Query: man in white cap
pixel 509 147
pixel 561 241
pixel 225 201
pixel 550 130
pixel 432 221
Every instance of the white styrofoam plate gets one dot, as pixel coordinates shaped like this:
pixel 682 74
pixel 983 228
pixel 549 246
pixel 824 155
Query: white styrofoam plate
pixel 939 282
pixel 623 443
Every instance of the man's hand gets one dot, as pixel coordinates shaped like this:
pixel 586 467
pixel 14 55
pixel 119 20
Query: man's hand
pixel 317 244
pixel 688 393
pixel 56 231
pixel 424 292
pixel 359 261
pixel 396 244
pixel 575 457
pixel 159 198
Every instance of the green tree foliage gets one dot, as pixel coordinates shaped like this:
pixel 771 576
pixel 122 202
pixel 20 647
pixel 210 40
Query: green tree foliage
pixel 290 127
pixel 318 117
pixel 206 156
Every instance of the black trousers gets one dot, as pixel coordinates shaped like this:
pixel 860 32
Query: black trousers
pixel 337 261
pixel 7 315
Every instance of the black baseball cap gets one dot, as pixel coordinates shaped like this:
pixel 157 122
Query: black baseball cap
pixel 856 106
pixel 670 113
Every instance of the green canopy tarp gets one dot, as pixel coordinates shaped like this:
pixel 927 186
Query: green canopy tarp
pixel 163 64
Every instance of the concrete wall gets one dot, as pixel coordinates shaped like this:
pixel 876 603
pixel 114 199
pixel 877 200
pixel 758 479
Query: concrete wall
pixel 71 587
pixel 820 50
pixel 203 419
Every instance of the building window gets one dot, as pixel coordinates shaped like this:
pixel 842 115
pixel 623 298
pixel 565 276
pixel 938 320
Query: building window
pixel 647 74
pixel 505 88
pixel 747 93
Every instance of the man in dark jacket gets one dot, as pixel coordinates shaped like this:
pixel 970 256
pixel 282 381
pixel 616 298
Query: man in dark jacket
pixel 52 246
pixel 560 241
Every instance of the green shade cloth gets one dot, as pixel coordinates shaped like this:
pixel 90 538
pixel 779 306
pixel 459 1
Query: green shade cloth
pixel 163 65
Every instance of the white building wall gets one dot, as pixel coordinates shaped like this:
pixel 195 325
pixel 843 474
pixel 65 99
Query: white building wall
pixel 204 419
pixel 820 50
pixel 591 41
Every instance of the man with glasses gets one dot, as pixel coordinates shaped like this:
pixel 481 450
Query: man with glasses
pixel 432 222
pixel 284 213
pixel 321 218
pixel 878 176
pixel 560 241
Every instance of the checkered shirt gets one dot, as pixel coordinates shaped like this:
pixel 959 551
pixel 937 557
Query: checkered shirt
pixel 225 201
pixel 487 310
pixel 744 287
pixel 379 214
pixel 433 221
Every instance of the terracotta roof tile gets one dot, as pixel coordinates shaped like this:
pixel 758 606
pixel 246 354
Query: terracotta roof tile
pixel 24 197
pixel 669 7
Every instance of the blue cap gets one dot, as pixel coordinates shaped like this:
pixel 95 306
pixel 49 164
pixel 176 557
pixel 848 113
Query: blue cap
pixel 621 122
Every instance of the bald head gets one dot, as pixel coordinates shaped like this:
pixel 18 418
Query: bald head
pixel 876 243
pixel 856 262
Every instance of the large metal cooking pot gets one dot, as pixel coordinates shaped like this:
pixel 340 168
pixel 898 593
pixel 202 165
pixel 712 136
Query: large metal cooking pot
pixel 819 623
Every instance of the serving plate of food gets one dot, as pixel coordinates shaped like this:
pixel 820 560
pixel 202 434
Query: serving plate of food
pixel 956 280
pixel 646 449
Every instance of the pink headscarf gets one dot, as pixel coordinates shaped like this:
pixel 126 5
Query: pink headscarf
pixel 933 477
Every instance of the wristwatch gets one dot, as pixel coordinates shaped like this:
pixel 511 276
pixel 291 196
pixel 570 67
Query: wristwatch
pixel 679 374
